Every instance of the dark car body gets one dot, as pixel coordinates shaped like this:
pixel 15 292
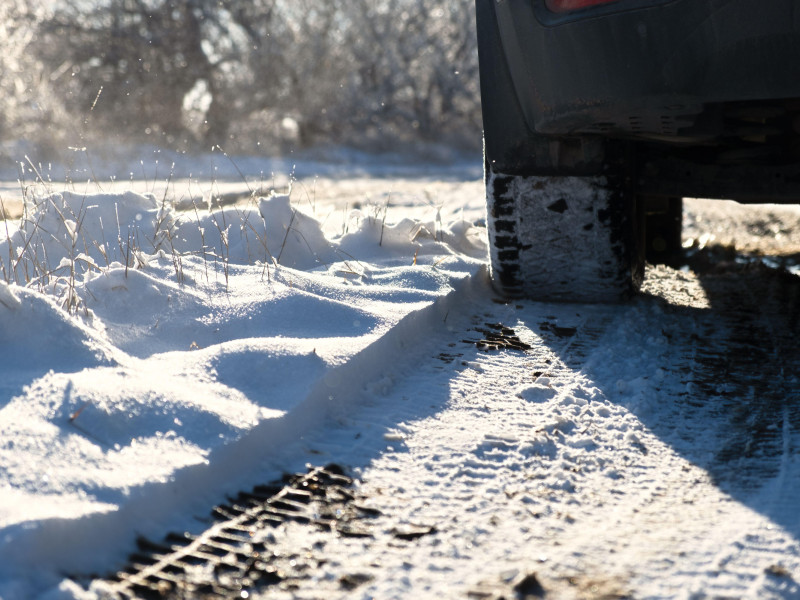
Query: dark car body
pixel 707 92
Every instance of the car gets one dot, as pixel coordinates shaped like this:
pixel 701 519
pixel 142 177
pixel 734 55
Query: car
pixel 600 116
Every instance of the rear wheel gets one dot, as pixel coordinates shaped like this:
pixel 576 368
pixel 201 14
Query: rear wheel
pixel 571 238
pixel 663 226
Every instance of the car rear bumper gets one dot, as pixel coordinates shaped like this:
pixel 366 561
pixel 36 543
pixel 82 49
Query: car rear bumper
pixel 647 68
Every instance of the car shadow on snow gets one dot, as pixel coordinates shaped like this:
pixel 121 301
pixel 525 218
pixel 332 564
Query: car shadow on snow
pixel 718 378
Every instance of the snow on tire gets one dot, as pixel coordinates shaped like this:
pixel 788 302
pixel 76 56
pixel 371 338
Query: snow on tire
pixel 562 238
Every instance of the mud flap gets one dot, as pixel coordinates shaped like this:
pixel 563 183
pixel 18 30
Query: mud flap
pixel 562 238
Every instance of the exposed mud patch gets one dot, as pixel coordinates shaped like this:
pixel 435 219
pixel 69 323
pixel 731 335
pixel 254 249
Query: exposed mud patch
pixel 498 337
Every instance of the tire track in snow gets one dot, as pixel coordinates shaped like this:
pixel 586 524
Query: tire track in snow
pixel 764 353
pixel 738 537
pixel 751 379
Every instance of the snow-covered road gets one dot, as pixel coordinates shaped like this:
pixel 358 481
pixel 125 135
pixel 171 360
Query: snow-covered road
pixel 644 451
pixel 648 450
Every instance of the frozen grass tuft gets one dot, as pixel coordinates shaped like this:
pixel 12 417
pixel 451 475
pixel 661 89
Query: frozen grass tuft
pixel 64 239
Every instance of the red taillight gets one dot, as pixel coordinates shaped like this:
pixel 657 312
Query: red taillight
pixel 562 6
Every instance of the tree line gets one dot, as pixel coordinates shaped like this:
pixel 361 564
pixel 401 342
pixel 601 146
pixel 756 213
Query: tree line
pixel 191 74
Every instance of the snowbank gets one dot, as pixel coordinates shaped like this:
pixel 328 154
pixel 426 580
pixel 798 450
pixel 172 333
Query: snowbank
pixel 152 359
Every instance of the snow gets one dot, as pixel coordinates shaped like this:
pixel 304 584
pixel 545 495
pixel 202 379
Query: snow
pixel 156 357
pixel 149 353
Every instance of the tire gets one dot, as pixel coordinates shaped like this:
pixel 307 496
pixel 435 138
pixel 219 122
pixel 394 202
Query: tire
pixel 565 238
pixel 663 229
